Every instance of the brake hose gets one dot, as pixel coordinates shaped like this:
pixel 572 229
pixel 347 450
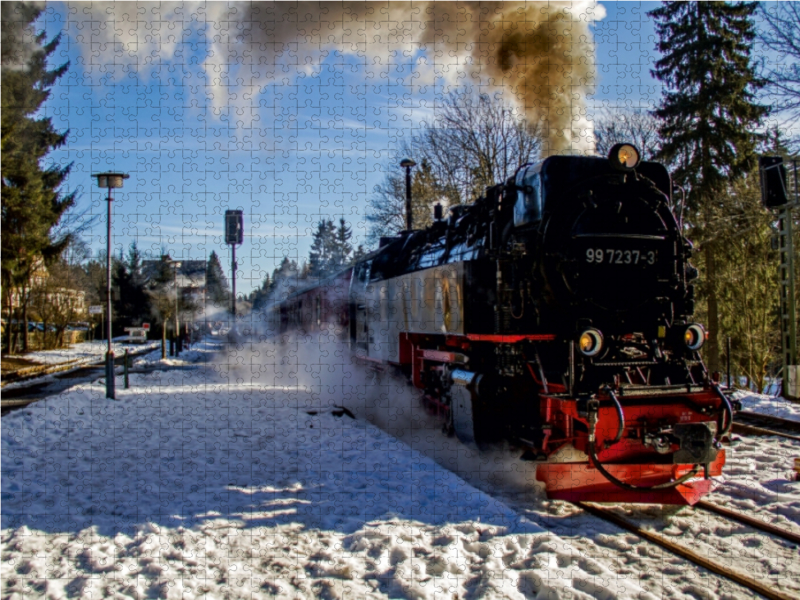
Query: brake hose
pixel 620 417
pixel 627 486
pixel 727 409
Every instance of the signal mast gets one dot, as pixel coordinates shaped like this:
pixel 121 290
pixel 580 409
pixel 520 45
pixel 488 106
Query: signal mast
pixel 234 235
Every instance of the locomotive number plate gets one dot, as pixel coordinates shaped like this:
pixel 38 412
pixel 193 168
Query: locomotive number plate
pixel 612 256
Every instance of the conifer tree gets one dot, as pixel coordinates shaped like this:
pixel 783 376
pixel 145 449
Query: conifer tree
pixel 32 204
pixel 216 283
pixel 260 297
pixel 342 247
pixel 323 249
pixel 132 303
pixel 284 279
pixel 359 254
pixel 708 116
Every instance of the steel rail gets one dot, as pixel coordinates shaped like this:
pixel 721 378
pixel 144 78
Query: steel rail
pixel 749 521
pixel 753 430
pixel 755 418
pixel 683 552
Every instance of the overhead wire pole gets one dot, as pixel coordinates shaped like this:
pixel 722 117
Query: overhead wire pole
pixel 788 292
pixel 774 195
pixel 788 295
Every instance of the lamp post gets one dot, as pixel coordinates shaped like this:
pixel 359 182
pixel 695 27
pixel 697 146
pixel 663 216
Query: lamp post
pixel 176 264
pixel 408 164
pixel 109 181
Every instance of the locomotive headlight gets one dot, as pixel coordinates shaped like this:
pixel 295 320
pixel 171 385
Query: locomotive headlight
pixel 624 157
pixel 590 342
pixel 694 336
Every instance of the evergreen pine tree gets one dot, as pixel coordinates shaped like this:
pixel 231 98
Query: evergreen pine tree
pixel 132 302
pixel 260 297
pixel 359 254
pixel 284 279
pixel 32 204
pixel 708 115
pixel 323 249
pixel 216 283
pixel 341 245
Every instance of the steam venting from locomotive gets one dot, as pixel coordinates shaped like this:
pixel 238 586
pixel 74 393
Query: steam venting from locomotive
pixel 18 35
pixel 539 55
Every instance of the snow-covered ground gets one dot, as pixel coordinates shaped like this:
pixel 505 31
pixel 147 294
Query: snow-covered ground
pixel 239 477
pixel 769 405
pixel 197 483
pixel 86 351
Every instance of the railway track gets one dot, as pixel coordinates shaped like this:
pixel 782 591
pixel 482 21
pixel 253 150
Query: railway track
pixel 736 575
pixel 750 423
pixel 35 387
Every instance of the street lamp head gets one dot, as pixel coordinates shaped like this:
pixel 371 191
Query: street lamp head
pixel 110 180
pixel 407 163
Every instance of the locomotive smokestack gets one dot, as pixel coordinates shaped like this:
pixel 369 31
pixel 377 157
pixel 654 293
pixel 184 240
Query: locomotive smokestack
pixel 408 164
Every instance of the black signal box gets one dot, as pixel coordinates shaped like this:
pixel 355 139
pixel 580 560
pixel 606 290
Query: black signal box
pixel 234 227
pixel 773 181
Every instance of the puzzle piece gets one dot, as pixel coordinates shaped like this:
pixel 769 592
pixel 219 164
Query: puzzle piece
pixel 393 403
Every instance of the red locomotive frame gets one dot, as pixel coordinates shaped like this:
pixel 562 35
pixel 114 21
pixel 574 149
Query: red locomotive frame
pixel 627 460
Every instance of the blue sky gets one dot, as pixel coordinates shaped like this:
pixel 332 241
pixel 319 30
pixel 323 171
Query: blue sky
pixel 290 129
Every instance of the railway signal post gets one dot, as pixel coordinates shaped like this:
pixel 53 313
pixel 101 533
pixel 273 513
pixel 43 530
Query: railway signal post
pixel 234 235
pixel 775 195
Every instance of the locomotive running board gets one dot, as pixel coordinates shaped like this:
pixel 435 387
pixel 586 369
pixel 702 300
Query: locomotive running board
pixel 578 482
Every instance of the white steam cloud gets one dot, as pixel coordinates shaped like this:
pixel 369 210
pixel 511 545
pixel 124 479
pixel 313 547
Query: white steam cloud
pixel 539 54
pixel 315 372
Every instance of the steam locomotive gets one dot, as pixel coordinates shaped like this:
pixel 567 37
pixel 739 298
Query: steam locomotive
pixel 553 314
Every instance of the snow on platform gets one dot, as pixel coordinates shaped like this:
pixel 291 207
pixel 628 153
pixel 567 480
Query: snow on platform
pixel 86 351
pixel 195 483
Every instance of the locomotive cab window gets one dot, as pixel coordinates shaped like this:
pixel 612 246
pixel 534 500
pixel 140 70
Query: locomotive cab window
pixel 528 207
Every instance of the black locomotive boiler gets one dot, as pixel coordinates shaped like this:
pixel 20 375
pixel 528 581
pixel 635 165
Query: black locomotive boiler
pixel 554 313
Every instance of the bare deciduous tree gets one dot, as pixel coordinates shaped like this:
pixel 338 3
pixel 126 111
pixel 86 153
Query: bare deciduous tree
pixel 634 126
pixel 476 141
pixel 473 142
pixel 56 301
pixel 782 69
